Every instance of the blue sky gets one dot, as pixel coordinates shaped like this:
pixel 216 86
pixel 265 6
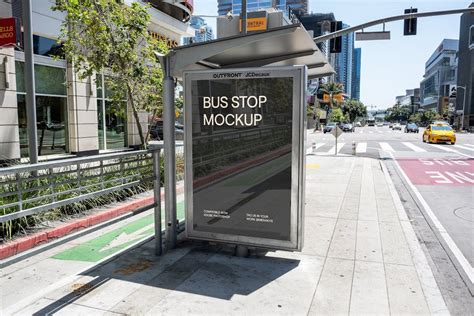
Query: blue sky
pixel 388 67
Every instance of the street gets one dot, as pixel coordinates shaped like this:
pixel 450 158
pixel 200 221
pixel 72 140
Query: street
pixel 440 176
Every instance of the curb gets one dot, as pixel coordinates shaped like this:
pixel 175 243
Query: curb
pixel 22 244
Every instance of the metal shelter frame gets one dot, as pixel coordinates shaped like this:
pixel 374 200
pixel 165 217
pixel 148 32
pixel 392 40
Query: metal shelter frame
pixel 286 45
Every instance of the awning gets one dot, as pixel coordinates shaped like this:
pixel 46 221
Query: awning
pixel 286 45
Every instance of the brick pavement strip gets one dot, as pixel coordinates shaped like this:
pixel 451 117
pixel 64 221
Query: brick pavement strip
pixel 360 256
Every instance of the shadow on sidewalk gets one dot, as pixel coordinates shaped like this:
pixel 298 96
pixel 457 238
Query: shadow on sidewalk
pixel 194 267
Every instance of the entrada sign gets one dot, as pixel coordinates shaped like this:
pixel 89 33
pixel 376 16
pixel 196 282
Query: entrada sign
pixel 244 148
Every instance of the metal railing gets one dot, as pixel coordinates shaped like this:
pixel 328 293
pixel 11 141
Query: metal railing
pixel 31 189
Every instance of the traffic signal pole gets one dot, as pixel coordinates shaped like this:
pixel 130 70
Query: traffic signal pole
pixel 352 29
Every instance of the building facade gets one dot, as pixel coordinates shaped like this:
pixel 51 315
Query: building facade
pixel 343 65
pixel 202 31
pixel 73 116
pixel 356 66
pixel 410 101
pixel 440 76
pixel 465 78
pixel 235 6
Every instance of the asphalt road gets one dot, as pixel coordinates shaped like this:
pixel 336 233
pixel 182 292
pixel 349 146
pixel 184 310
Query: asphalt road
pixel 439 176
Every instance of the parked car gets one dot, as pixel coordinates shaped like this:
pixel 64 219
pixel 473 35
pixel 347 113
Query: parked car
pixel 411 128
pixel 348 127
pixel 379 124
pixel 329 126
pixel 390 125
pixel 439 133
pixel 397 126
pixel 156 131
pixel 359 124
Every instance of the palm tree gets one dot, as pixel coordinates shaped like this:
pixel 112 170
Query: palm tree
pixel 332 88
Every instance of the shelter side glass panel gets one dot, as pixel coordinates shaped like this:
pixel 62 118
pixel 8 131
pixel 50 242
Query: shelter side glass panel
pixel 241 154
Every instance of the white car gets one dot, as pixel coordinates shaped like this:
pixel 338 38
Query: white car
pixel 397 126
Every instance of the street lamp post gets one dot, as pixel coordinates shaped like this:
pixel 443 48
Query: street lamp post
pixel 463 105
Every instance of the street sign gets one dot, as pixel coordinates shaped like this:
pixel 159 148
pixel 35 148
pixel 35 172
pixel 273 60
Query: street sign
pixel 372 36
pixel 452 91
pixel 10 32
pixel 244 149
pixel 336 132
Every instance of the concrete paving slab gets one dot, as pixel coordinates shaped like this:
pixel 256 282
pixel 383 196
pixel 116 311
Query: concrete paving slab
pixel 394 246
pixel 350 208
pixel 246 286
pixel 344 240
pixel 369 291
pixel 333 294
pixel 404 290
pixel 317 235
pixel 369 246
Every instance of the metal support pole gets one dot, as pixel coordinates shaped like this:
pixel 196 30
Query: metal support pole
pixel 244 16
pixel 157 198
pixel 30 83
pixel 335 148
pixel 463 106
pixel 170 158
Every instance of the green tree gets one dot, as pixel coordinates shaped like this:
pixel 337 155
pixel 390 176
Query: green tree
pixel 415 118
pixel 332 88
pixel 397 113
pixel 353 109
pixel 337 116
pixel 112 37
pixel 429 117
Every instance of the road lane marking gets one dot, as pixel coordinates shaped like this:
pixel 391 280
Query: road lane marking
pixel 310 149
pixel 464 147
pixel 386 147
pixel 415 148
pixel 446 148
pixel 466 266
pixel 361 148
pixel 370 132
pixel 333 148
pixel 469 145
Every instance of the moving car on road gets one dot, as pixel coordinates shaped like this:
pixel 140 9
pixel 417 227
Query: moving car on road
pixel 348 127
pixel 411 128
pixel 397 126
pixel 328 128
pixel 439 133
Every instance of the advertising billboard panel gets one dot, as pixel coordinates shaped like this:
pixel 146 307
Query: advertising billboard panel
pixel 244 149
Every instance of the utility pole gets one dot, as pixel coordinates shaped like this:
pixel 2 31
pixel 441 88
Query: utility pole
pixel 244 16
pixel 30 83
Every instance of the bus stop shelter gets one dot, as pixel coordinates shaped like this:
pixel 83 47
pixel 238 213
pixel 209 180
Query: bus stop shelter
pixel 282 46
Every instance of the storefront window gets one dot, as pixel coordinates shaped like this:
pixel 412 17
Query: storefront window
pixel 51 125
pixel 51 109
pixel 111 119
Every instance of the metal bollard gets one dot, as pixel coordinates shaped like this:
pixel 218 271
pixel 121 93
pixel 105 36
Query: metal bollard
pixel 313 147
pixel 354 148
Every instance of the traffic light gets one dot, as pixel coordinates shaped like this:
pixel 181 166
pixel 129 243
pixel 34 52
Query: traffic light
pixel 409 26
pixel 335 44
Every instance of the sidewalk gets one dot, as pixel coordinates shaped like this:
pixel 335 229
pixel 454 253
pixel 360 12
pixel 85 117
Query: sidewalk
pixel 360 256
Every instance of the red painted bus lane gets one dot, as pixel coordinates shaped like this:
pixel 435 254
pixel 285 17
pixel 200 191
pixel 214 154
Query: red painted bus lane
pixel 433 171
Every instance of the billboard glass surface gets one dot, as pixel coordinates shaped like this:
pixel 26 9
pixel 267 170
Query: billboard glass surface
pixel 244 155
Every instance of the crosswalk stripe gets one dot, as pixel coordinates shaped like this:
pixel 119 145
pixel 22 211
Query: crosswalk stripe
pixel 370 132
pixel 470 145
pixel 386 147
pixel 361 148
pixel 415 148
pixel 333 148
pixel 446 148
pixel 464 147
pixel 309 150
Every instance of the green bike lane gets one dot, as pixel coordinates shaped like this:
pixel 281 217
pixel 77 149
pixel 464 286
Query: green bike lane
pixel 116 240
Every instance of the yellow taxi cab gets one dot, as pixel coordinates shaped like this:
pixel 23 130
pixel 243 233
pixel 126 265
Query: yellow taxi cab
pixel 439 133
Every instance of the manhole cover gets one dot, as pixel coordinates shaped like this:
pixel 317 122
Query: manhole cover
pixel 465 213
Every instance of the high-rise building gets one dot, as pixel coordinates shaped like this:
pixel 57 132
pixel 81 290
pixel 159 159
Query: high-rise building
pixel 203 32
pixel 343 65
pixel 465 77
pixel 439 77
pixel 235 6
pixel 356 64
